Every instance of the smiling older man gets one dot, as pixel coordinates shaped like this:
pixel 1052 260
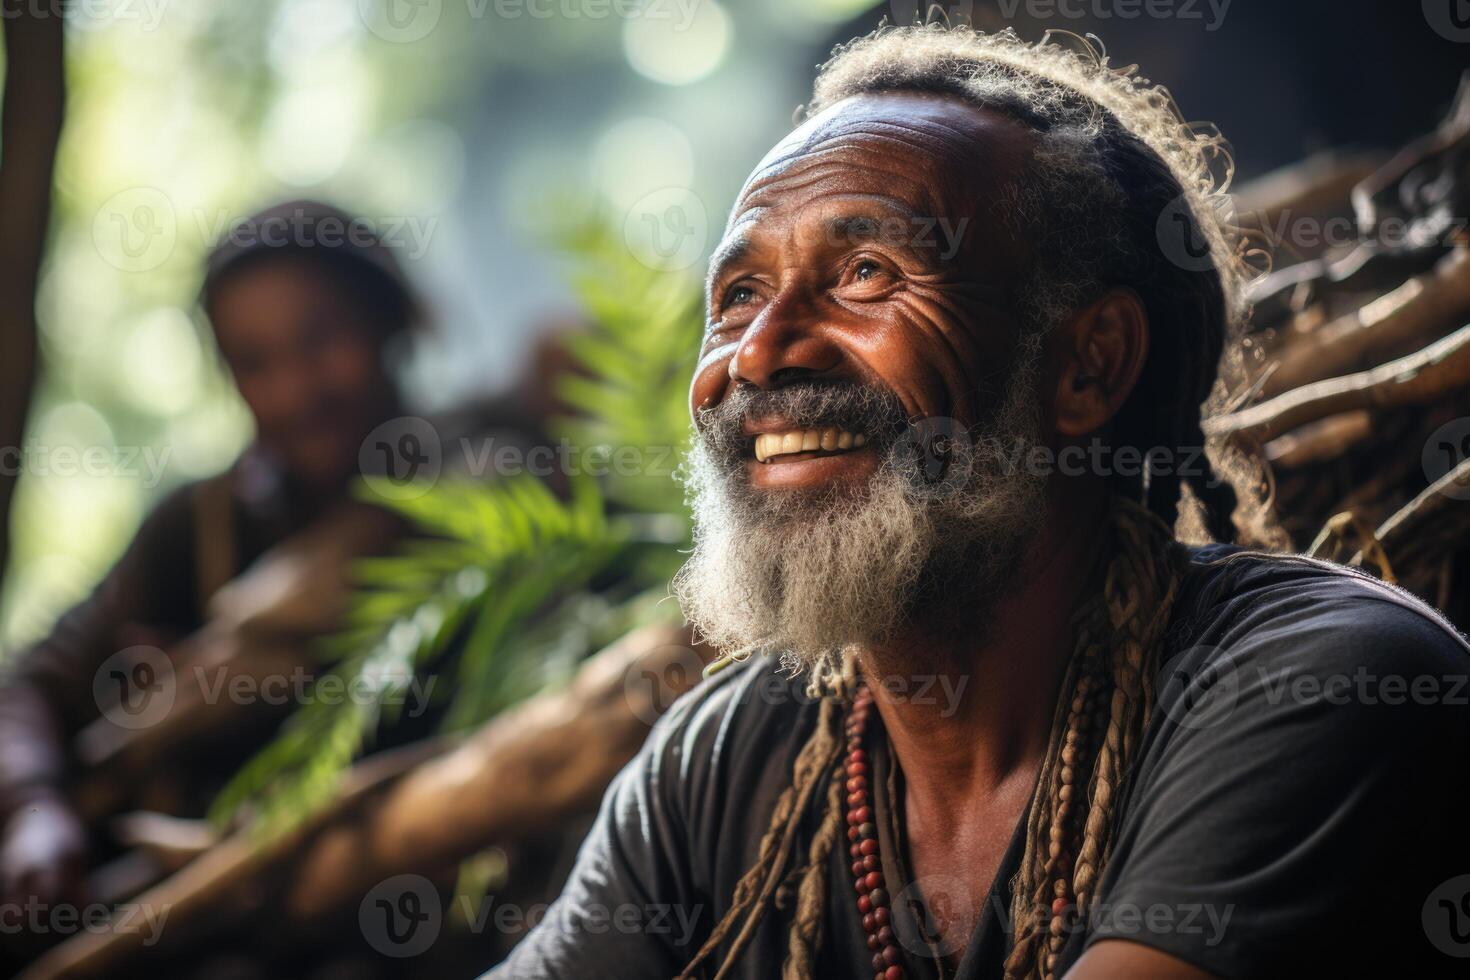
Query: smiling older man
pixel 1020 730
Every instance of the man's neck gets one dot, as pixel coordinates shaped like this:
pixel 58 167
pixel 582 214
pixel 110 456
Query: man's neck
pixel 968 717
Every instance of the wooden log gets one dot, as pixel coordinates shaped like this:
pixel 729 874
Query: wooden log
pixel 1328 287
pixel 173 842
pixel 1320 183
pixel 1380 195
pixel 260 628
pixel 1417 379
pixel 220 886
pixel 1423 307
pixel 523 772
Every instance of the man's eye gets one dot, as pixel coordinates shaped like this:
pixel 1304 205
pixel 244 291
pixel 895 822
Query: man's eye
pixel 865 270
pixel 738 295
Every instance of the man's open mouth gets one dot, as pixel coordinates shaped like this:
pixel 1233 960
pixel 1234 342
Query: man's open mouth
pixel 827 441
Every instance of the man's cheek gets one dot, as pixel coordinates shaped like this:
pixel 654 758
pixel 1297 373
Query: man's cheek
pixel 910 358
pixel 950 354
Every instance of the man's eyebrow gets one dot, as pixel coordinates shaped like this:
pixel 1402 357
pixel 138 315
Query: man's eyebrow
pixel 859 226
pixel 917 235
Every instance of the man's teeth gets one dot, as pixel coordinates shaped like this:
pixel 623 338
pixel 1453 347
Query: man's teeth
pixel 772 444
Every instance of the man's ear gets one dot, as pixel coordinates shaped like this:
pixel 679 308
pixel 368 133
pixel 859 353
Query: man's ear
pixel 1099 354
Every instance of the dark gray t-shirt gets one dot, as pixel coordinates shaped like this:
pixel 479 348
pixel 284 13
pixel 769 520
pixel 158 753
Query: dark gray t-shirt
pixel 1295 802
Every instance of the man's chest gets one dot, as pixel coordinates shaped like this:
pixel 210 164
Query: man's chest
pixel 953 868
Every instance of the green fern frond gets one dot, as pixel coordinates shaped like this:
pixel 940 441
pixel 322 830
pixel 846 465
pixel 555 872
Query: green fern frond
pixel 513 544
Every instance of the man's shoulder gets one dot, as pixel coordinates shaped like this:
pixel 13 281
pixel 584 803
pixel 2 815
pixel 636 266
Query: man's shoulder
pixel 1294 606
pixel 749 699
pixel 1283 636
pixel 719 758
pixel 1306 717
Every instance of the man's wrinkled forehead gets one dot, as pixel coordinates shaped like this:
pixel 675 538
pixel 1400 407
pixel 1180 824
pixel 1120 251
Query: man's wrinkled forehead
pixel 929 154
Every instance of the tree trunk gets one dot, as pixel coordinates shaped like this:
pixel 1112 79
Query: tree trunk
pixel 30 126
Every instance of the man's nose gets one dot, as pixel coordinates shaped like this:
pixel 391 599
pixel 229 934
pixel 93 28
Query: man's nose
pixel 787 341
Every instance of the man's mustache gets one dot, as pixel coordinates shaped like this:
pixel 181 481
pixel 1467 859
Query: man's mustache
pixel 874 411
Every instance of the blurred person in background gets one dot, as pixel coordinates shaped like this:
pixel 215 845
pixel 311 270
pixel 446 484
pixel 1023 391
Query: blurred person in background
pixel 308 310
pixel 305 329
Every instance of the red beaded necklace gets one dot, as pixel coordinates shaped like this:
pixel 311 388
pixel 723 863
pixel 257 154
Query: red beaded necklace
pixel 862 834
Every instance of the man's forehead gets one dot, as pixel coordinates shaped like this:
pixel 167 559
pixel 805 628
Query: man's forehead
pixel 970 148
pixel 922 157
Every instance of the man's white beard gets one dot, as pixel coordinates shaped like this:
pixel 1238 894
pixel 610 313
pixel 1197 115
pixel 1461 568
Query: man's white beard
pixel 812 577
